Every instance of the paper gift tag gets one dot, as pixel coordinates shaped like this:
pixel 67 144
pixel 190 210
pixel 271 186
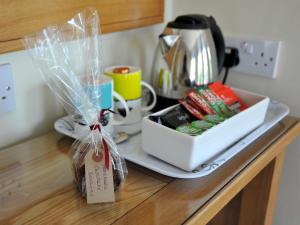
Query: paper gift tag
pixel 99 180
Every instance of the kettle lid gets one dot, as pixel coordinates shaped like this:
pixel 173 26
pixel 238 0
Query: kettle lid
pixel 190 21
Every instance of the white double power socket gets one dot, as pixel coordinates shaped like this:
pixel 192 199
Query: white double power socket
pixel 7 96
pixel 257 56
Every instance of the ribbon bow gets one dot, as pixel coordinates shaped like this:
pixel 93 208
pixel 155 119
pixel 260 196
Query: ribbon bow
pixel 105 145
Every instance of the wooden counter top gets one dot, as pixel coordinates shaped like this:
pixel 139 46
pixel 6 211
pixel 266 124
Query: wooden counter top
pixel 36 186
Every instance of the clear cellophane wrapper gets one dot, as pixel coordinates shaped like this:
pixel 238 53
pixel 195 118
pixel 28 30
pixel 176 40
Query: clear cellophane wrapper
pixel 66 55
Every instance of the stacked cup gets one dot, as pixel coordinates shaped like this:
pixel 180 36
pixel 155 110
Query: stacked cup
pixel 101 94
pixel 128 83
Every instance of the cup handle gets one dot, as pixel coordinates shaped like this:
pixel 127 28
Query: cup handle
pixel 151 106
pixel 123 102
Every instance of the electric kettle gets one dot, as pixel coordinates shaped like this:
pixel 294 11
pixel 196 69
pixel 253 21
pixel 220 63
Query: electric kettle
pixel 190 53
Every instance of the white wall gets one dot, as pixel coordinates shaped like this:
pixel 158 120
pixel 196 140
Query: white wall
pixel 270 19
pixel 37 109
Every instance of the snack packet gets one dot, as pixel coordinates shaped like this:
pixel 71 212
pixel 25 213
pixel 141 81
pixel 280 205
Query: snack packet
pixel 190 108
pixel 216 103
pixel 215 119
pixel 202 124
pixel 200 102
pixel 189 129
pixel 228 96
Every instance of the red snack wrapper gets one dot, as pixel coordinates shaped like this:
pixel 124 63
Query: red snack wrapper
pixel 195 112
pixel 190 102
pixel 228 96
pixel 216 103
pixel 200 102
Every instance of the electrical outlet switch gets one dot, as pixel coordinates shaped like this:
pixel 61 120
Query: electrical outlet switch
pixel 258 57
pixel 7 95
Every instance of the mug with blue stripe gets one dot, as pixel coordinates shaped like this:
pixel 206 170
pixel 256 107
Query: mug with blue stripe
pixel 100 91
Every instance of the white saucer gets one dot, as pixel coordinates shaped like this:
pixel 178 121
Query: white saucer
pixel 129 129
pixel 131 149
pixel 65 125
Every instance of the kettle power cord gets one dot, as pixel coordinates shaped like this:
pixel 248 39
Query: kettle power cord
pixel 232 59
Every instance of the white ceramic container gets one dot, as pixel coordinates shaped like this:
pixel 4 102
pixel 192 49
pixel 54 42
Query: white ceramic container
pixel 188 152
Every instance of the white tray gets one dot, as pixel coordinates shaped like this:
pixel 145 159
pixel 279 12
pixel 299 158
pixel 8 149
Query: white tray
pixel 131 149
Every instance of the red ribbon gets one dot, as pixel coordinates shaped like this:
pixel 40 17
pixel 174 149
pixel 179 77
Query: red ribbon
pixel 105 145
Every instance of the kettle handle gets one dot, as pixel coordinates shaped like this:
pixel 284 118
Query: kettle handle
pixel 219 41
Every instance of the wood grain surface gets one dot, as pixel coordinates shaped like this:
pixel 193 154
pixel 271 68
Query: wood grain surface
pixel 36 186
pixel 20 18
pixel 36 179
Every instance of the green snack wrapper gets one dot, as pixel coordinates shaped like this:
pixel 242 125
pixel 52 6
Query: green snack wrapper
pixel 215 119
pixel 189 129
pixel 202 124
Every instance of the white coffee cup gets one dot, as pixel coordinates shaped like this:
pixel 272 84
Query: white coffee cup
pixel 132 123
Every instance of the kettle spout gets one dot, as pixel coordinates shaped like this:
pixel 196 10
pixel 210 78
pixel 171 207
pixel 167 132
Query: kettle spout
pixel 166 42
